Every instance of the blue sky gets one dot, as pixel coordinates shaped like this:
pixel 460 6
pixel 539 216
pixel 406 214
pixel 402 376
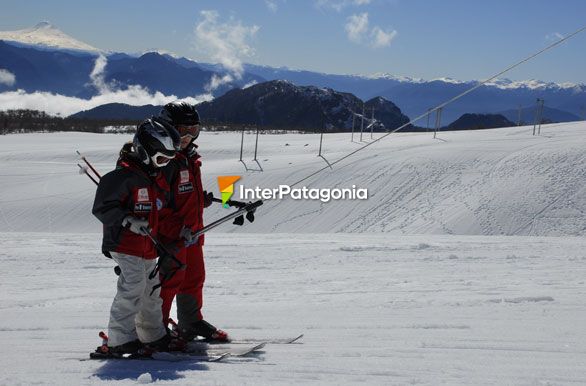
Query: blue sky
pixel 427 39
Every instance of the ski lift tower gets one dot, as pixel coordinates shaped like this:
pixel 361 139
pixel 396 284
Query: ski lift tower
pixel 372 122
pixel 353 120
pixel 438 121
pixel 538 116
pixel 362 122
pixel 428 115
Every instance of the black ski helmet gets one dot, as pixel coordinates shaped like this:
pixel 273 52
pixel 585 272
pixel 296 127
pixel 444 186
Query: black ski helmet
pixel 156 142
pixel 180 114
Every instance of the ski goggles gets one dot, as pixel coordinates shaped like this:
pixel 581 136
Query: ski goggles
pixel 159 159
pixel 188 131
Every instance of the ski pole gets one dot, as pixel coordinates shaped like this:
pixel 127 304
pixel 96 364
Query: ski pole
pixel 160 247
pixel 239 220
pixel 249 208
pixel 84 171
pixel 88 164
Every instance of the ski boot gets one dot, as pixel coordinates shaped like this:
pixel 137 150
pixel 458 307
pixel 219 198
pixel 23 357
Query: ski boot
pixel 166 343
pixel 205 330
pixel 128 349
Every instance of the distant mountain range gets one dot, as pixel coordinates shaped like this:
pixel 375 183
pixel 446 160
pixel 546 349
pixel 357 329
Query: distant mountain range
pixel 415 96
pixel 43 58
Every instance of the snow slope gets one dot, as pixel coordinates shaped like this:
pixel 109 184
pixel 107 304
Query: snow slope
pixel 441 307
pixel 375 310
pixel 490 182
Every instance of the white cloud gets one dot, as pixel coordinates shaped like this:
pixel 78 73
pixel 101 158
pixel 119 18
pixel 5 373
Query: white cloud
pixel 226 43
pixel 217 81
pixel 56 104
pixel 97 74
pixel 358 31
pixel 7 78
pixel 357 27
pixel 382 38
pixel 339 5
pixel 555 36
pixel 272 5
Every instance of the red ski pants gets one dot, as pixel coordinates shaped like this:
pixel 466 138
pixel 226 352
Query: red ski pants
pixel 187 285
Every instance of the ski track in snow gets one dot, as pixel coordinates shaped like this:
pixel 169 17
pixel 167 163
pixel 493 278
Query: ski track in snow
pixel 375 309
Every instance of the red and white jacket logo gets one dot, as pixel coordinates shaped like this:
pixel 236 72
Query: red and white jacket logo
pixel 184 176
pixel 143 195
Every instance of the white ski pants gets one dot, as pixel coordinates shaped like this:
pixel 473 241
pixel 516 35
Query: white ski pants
pixel 135 313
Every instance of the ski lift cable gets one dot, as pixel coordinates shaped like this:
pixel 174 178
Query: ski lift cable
pixel 442 105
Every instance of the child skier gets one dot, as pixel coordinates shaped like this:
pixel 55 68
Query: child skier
pixel 184 216
pixel 127 202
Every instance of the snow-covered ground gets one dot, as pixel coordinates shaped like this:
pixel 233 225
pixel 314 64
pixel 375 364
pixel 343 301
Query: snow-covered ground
pixel 414 286
pixel 375 309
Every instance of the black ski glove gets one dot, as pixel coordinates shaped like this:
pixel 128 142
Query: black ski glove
pixel 207 198
pixel 167 261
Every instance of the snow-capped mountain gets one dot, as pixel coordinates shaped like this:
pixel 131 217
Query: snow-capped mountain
pixel 44 34
pixel 43 58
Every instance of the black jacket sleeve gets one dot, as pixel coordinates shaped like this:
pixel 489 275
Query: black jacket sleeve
pixel 110 201
pixel 170 173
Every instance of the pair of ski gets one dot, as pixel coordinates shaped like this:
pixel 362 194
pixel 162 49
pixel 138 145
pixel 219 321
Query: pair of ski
pixel 203 351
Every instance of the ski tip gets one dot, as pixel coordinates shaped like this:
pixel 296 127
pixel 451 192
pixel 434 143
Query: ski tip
pixel 219 357
pixel 296 338
pixel 259 346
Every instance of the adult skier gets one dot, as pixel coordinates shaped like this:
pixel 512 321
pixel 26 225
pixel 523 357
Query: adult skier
pixel 127 202
pixel 184 216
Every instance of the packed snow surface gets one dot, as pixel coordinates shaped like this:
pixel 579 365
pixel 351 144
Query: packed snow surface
pixel 416 285
pixel 375 310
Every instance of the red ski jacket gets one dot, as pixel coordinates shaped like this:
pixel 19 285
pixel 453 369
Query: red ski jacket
pixel 129 189
pixel 186 201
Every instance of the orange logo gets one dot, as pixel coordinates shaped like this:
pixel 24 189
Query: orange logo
pixel 226 184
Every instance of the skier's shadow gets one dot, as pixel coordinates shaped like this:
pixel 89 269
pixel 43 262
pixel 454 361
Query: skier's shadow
pixel 132 369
